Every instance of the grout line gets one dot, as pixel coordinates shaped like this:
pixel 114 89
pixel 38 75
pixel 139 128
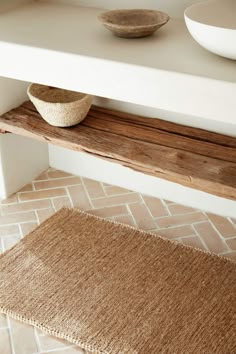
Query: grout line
pixel 131 214
pixel 69 197
pixel 37 341
pixel 146 207
pixel 204 244
pixel 10 336
pixel 104 189
pixel 87 194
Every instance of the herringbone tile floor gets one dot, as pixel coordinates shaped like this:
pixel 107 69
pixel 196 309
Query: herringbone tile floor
pixel 53 189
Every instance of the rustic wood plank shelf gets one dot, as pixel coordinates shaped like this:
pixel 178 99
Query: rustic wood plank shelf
pixel 192 157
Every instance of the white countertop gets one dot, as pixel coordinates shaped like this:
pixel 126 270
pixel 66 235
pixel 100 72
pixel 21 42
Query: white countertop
pixel 65 46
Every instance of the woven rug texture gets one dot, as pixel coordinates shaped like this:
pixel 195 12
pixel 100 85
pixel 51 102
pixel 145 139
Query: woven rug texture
pixel 113 289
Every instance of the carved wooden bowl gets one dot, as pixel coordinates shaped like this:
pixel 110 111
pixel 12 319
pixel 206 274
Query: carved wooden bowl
pixel 133 23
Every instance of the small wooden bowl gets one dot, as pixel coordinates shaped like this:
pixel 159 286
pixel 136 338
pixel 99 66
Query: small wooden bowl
pixel 133 23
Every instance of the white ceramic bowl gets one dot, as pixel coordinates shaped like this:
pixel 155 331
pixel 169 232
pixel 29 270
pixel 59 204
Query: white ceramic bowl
pixel 213 25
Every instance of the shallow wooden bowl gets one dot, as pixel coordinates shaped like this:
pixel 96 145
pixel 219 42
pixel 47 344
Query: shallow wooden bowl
pixel 133 23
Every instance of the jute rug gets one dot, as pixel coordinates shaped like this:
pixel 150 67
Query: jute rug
pixel 113 289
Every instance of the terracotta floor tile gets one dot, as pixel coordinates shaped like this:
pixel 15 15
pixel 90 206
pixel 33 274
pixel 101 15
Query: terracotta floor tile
pixel 79 197
pixel 109 211
pixel 142 217
pixel 10 241
pixel 113 190
pixel 44 194
pixel 50 343
pixel 61 202
pixel 11 199
pixel 54 183
pixel 25 206
pixel 156 207
pixel 9 230
pixel 27 228
pixel 231 243
pixel 3 321
pixel 176 232
pixel 43 176
pixel 125 219
pixel 17 218
pixel 181 219
pixel 27 188
pixel 5 346
pixel 58 174
pixel 23 338
pixel 194 241
pixel 45 214
pixel 210 237
pixel 176 209
pixel 116 200
pixel 224 226
pixel 93 188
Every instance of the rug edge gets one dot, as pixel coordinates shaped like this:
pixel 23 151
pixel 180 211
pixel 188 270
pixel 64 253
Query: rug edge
pixel 149 233
pixel 50 331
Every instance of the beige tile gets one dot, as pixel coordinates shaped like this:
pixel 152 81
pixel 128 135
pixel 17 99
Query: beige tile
pixel 23 338
pixel 10 241
pixel 11 199
pixel 58 174
pixel 109 211
pixel 79 197
pixel 176 232
pixel 72 350
pixel 116 200
pixel 94 188
pixel 155 206
pixel 125 219
pixel 142 217
pixel 194 241
pixel 50 343
pixel 185 219
pixel 232 243
pixel 17 218
pixel 5 346
pixel 176 209
pixel 27 227
pixel 25 206
pixel 114 190
pixel 224 226
pixel 61 202
pixel 54 183
pixel 3 321
pixel 44 214
pixel 44 194
pixel 9 230
pixel 210 237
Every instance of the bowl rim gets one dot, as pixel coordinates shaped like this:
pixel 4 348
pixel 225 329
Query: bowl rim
pixel 30 94
pixel 187 16
pixel 115 25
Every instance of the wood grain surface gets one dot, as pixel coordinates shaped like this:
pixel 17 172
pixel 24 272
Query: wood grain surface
pixel 192 157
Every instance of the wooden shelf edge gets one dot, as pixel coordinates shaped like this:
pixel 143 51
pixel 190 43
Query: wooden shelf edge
pixel 152 146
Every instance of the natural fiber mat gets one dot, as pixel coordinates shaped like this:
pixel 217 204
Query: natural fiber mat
pixel 113 289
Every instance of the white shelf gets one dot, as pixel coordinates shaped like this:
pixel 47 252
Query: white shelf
pixel 65 46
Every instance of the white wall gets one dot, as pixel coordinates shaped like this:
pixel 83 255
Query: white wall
pixel 174 8
pixel 21 159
